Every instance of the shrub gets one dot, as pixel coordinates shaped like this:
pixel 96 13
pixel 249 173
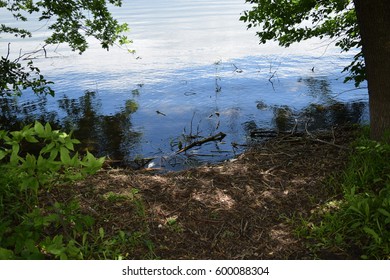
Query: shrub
pixel 360 226
pixel 32 161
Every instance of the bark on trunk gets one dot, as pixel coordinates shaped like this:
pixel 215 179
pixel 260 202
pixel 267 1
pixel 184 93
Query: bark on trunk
pixel 374 22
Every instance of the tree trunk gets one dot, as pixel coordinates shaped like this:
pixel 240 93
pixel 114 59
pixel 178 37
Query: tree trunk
pixel 374 21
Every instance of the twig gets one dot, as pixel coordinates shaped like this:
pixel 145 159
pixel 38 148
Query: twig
pixel 293 130
pixel 329 143
pixel 192 120
pixel 243 227
pixel 28 55
pixel 161 113
pixel 270 80
pixel 9 47
pixel 334 137
pixel 307 131
pixel 215 241
pixel 312 138
pixel 237 70
pixel 217 137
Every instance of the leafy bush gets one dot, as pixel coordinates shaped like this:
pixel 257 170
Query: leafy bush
pixel 360 225
pixel 32 225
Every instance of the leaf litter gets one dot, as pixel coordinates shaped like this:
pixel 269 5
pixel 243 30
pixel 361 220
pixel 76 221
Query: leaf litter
pixel 240 209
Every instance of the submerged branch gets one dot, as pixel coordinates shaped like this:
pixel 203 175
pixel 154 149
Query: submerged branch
pixel 216 137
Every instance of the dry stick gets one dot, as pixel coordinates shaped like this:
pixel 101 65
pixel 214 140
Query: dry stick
pixel 8 52
pixel 330 143
pixel 215 240
pixel 243 226
pixel 270 80
pixel 216 137
pixel 334 137
pixel 28 55
pixel 312 138
pixel 295 127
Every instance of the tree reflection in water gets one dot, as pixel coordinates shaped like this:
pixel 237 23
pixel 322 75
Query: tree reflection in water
pixel 113 135
pixel 103 135
pixel 324 113
pixel 109 135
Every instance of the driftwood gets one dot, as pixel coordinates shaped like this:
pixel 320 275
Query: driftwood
pixel 216 137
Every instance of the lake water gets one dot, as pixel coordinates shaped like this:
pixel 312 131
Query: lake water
pixel 197 71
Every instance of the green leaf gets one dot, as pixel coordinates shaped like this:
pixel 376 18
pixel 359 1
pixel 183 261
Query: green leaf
pixel 75 162
pixel 31 183
pixel 17 135
pixel 3 134
pixel 69 144
pixel 48 129
pixel 373 234
pixel 3 154
pixel 64 156
pixel 353 208
pixel 91 163
pixel 72 250
pixel 56 246
pixel 101 233
pixel 31 139
pixel 40 130
pixel 6 254
pixel 48 147
pixel 30 163
pixel 356 225
pixel 53 154
pixel 84 239
pixel 384 212
pixel 14 159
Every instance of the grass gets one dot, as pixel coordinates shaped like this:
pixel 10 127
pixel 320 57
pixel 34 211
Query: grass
pixel 356 223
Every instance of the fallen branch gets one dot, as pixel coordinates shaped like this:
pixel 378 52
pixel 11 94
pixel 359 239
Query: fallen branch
pixel 312 138
pixel 329 143
pixel 216 137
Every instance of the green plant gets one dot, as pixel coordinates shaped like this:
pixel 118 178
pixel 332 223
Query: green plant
pixel 360 224
pixel 100 245
pixel 32 224
pixel 116 197
pixel 173 224
pixel 288 21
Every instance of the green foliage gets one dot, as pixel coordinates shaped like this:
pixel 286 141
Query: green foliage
pixel 55 160
pixel 34 161
pixel 28 230
pixel 289 21
pixel 73 21
pixel 14 78
pixel 102 246
pixel 360 224
pixel 173 224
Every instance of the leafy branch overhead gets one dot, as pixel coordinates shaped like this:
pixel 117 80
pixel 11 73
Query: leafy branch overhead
pixel 290 21
pixel 75 21
pixel 15 78
pixel 70 22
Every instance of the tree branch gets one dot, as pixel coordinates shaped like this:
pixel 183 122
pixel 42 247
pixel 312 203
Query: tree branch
pixel 216 137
